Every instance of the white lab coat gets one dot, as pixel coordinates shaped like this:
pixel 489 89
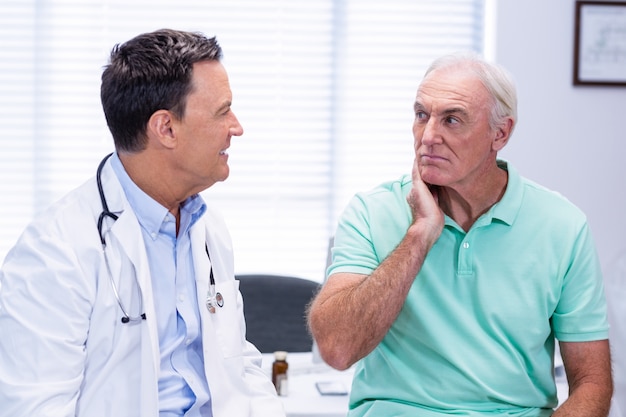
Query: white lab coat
pixel 63 348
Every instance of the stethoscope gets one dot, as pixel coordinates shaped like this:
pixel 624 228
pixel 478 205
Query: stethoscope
pixel 213 298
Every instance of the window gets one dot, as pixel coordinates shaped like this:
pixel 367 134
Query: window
pixel 323 89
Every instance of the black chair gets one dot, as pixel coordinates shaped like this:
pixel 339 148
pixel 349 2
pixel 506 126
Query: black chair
pixel 275 308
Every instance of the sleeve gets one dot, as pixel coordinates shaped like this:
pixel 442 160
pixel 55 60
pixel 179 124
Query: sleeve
pixel 353 248
pixel 264 400
pixel 581 313
pixel 370 228
pixel 44 320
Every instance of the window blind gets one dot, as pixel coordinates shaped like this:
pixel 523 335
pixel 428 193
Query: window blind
pixel 385 51
pixel 17 116
pixel 323 89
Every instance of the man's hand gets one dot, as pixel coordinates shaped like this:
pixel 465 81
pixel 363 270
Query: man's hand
pixel 424 202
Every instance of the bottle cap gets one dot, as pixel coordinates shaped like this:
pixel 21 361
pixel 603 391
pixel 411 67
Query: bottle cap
pixel 280 355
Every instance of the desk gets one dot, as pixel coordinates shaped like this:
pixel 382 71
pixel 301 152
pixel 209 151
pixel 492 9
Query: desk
pixel 303 399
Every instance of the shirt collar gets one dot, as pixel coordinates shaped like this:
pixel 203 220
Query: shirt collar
pixel 507 208
pixel 509 205
pixel 148 211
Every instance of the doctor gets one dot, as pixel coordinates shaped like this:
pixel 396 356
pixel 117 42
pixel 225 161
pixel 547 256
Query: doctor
pixel 120 299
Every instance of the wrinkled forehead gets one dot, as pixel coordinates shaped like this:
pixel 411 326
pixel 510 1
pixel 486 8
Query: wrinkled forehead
pixel 454 85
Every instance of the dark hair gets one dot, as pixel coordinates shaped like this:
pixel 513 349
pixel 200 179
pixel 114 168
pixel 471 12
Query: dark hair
pixel 150 72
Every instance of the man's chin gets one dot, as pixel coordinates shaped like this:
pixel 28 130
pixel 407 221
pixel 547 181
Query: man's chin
pixel 431 176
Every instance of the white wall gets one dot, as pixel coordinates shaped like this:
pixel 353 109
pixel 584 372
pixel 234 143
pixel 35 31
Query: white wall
pixel 571 139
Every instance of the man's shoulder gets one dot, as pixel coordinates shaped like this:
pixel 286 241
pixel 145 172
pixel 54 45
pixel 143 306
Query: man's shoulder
pixel 398 187
pixel 540 198
pixel 548 198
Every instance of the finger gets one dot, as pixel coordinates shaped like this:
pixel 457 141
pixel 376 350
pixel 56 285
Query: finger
pixel 416 172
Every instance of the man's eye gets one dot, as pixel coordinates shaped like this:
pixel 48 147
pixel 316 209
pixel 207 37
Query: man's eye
pixel 452 120
pixel 420 115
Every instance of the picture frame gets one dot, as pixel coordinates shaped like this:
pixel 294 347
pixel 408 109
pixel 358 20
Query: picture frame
pixel 600 43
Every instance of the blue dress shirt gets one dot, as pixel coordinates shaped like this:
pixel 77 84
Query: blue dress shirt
pixel 183 389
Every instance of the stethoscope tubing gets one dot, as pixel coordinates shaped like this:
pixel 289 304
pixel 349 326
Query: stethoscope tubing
pixel 213 298
pixel 126 318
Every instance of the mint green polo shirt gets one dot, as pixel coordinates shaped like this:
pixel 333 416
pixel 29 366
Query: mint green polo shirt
pixel 476 334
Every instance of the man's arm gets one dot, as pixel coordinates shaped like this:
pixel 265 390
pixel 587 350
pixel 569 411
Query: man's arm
pixel 353 312
pixel 588 369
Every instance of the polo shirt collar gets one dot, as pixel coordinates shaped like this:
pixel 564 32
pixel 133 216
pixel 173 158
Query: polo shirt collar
pixel 509 205
pixel 507 208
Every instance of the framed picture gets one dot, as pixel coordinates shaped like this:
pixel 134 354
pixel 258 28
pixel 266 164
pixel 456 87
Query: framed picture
pixel 600 43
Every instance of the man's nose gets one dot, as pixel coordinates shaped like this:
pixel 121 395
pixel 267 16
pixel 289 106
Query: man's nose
pixel 430 132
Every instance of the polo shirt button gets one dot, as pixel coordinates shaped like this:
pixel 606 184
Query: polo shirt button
pixel 465 245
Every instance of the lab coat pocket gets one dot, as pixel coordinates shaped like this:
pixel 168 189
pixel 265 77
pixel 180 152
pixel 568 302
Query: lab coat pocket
pixel 227 318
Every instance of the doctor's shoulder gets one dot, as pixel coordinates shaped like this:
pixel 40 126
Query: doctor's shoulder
pixel 67 225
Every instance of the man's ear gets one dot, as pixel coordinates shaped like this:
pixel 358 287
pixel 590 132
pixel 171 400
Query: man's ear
pixel 503 133
pixel 161 128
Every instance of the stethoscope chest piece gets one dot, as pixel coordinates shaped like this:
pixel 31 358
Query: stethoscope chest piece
pixel 212 298
pixel 212 301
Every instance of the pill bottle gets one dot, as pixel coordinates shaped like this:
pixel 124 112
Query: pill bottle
pixel 279 372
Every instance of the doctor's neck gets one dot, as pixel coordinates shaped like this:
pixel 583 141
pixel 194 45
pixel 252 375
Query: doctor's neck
pixel 154 176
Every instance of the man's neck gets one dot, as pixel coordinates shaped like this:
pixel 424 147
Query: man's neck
pixel 466 204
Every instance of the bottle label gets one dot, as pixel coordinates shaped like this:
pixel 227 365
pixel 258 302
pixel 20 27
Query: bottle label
pixel 281 385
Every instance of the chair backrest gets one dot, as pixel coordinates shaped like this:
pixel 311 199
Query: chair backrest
pixel 275 309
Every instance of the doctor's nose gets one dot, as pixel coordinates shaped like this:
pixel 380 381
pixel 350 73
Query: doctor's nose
pixel 236 129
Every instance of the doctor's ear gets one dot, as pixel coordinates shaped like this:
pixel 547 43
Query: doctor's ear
pixel 161 127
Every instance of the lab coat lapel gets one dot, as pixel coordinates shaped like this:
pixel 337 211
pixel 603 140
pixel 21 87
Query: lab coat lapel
pixel 213 364
pixel 223 332
pixel 126 232
pixel 202 268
